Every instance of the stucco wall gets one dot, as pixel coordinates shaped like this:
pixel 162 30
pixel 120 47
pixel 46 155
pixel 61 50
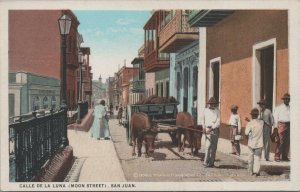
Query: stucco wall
pixel 232 39
pixel 150 82
pixel 34 42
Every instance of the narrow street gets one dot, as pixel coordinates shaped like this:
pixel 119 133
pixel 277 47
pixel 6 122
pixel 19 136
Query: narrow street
pixel 168 165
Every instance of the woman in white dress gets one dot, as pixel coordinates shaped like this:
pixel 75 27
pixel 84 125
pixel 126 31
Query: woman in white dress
pixel 100 127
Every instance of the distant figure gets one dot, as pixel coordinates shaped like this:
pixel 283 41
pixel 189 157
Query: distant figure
pixel 120 113
pixel 254 130
pixel 266 115
pixel 282 124
pixel 235 129
pixel 210 120
pixel 111 109
pixel 100 127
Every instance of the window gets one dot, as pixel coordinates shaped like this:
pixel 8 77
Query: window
pixel 161 89
pixel 45 102
pixel 11 105
pixel 157 89
pixel 167 87
pixel 35 103
pixel 53 102
pixel 178 85
pixel 163 56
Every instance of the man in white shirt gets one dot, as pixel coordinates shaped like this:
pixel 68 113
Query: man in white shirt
pixel 210 120
pixel 266 115
pixel 235 129
pixel 282 123
pixel 254 130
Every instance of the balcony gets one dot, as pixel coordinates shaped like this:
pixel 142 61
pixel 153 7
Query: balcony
pixel 176 33
pixel 154 63
pixel 138 86
pixel 207 18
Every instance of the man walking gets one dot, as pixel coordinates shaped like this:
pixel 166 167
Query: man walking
pixel 254 130
pixel 266 115
pixel 282 123
pixel 120 114
pixel 210 121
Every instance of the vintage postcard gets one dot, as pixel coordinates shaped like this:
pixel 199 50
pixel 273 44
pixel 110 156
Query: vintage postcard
pixel 149 95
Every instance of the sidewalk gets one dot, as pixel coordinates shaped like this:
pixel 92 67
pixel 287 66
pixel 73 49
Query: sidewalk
pixel 96 160
pixel 224 146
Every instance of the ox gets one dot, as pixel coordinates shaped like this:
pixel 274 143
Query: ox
pixel 141 130
pixel 190 131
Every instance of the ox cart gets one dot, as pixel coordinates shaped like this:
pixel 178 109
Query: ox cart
pixel 164 115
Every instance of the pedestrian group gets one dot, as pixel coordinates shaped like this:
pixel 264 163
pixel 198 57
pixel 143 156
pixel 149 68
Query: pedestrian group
pixel 262 128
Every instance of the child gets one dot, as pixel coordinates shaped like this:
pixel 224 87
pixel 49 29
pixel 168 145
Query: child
pixel 254 130
pixel 235 129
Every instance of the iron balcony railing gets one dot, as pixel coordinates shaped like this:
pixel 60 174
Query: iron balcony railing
pixel 177 24
pixel 138 86
pixel 34 141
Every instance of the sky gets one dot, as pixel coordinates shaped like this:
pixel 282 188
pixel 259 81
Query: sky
pixel 112 36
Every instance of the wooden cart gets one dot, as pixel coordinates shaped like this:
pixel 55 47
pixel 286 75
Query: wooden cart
pixel 162 114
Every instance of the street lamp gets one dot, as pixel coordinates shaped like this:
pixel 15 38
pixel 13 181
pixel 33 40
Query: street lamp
pixel 80 61
pixel 64 27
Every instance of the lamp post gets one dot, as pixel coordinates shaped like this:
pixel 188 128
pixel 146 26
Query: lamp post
pixel 64 23
pixel 80 60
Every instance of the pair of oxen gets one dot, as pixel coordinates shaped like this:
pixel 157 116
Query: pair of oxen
pixel 144 130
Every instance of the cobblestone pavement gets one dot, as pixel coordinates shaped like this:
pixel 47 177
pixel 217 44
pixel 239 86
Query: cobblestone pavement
pixel 167 164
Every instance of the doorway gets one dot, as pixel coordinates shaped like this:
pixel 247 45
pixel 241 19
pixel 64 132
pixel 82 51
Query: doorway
pixel 266 75
pixel 178 86
pixel 185 89
pixel 214 78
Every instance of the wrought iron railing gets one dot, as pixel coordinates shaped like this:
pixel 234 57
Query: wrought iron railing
pixel 34 141
pixel 138 86
pixel 174 25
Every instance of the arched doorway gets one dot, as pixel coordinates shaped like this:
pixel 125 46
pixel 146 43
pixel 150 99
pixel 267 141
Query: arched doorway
pixel 178 87
pixel 185 88
pixel 195 92
pixel 35 103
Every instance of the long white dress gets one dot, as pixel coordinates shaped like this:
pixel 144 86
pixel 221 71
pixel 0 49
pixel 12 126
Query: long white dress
pixel 99 127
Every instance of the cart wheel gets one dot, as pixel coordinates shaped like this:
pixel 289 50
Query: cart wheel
pixel 173 137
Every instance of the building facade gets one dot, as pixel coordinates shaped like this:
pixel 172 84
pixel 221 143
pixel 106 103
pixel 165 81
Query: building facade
pixel 30 92
pixel 243 58
pixel 35 50
pixel 181 41
pixel 137 83
pixel 155 61
pixel 87 76
pixel 122 86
